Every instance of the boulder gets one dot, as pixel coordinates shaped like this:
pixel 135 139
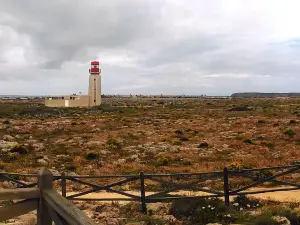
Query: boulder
pixel 29 219
pixel 42 162
pixel 5 146
pixel 281 220
pixel 8 138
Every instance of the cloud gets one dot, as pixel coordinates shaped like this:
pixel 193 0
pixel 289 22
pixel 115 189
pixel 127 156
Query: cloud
pixel 149 47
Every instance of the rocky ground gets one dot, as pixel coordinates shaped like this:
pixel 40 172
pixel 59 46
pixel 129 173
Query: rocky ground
pixel 151 135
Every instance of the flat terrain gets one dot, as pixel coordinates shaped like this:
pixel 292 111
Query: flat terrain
pixel 161 135
pixel 153 135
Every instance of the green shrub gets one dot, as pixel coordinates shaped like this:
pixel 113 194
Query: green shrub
pixel 10 157
pixel 183 138
pixel 113 144
pixel 248 141
pixel 71 167
pixel 261 174
pixel 203 145
pixel 203 211
pixel 6 122
pixel 177 142
pixel 22 150
pixel 269 145
pixel 242 201
pixel 289 132
pixel 161 162
pixel 91 155
pixel 237 166
pixel 264 220
pixel 261 121
pixel 178 132
pixel 149 220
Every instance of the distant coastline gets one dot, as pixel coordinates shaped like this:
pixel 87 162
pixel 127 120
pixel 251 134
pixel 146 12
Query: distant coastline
pixel 264 95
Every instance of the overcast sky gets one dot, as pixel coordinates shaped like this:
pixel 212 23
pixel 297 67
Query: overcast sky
pixel 211 47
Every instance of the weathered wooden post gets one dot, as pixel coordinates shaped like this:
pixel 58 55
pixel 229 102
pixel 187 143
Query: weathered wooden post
pixel 45 179
pixel 143 195
pixel 226 187
pixel 63 185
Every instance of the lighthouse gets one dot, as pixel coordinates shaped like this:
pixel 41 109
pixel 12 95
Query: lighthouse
pixel 95 84
pixel 92 99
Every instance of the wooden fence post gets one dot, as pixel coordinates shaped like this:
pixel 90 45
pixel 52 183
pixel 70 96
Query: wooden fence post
pixel 45 179
pixel 63 185
pixel 143 195
pixel 226 187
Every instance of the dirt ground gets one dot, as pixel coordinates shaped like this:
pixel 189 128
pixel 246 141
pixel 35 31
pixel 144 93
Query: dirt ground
pixel 281 196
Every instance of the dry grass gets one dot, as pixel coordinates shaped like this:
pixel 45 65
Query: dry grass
pixel 163 135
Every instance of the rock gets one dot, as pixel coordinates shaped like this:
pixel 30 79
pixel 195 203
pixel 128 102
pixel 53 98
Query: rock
pixel 5 146
pixel 7 184
pixel 104 152
pixel 158 208
pixel 46 158
pixel 42 162
pixel 119 161
pixel 8 138
pixel 94 143
pixel 213 224
pixel 54 172
pixel 137 223
pixel 134 157
pixel 28 219
pixel 281 220
pixel 225 146
pixel 38 146
pixel 72 174
pixel 170 218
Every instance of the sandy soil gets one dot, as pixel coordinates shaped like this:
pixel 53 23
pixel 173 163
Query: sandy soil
pixel 282 196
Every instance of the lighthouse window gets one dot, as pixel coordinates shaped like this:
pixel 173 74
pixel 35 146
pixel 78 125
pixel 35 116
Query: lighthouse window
pixel 94 100
pixel 94 79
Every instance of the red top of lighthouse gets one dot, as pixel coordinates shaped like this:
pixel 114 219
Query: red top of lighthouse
pixel 95 67
pixel 94 63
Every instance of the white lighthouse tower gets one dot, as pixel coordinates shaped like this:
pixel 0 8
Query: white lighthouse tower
pixel 95 84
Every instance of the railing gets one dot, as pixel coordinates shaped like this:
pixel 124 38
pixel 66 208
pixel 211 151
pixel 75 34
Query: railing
pixel 50 205
pixel 226 183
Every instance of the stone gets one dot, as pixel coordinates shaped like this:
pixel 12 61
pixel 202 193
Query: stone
pixel 94 143
pixel 72 174
pixel 213 224
pixel 38 146
pixel 7 184
pixel 281 220
pixel 46 158
pixel 5 146
pixel 8 138
pixel 104 152
pixel 42 162
pixel 169 218
pixel 30 219
pixel 137 223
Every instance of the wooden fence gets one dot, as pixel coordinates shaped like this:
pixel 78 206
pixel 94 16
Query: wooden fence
pixel 226 183
pixel 50 205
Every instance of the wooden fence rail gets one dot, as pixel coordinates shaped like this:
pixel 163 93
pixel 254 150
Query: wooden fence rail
pixel 50 205
pixel 169 182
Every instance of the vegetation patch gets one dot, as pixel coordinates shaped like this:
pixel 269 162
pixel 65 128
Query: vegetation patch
pixel 290 132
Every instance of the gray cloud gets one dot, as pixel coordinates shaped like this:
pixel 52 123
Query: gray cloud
pixel 150 46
